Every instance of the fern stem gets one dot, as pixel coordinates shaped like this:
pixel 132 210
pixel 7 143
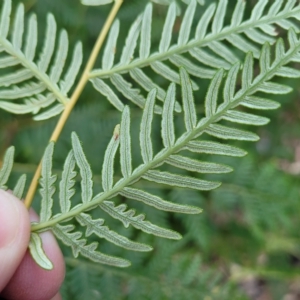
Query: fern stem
pixel 166 152
pixel 77 92
pixel 225 33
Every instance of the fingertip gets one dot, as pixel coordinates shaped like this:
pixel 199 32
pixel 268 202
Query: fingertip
pixel 14 235
pixel 30 282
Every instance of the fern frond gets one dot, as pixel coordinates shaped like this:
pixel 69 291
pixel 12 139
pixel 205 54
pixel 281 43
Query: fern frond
pixel 200 52
pixel 35 83
pixel 215 112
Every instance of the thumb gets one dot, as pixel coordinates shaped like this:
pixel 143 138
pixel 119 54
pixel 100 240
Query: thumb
pixel 14 235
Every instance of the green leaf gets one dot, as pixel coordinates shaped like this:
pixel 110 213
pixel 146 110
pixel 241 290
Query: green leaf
pixel 110 47
pixel 84 168
pixel 212 94
pixel 20 186
pixel 96 227
pixel 191 67
pixel 219 16
pixel 204 21
pixel 238 13
pixel 245 118
pixel 5 18
pixel 227 133
pixel 6 168
pixel 145 43
pixel 186 24
pixel 168 73
pixel 66 185
pixel 288 72
pixel 18 31
pixel 60 58
pixel 131 41
pixel 129 218
pixel 264 60
pixel 47 181
pixel 37 252
pixel 274 88
pixel 109 157
pixel 230 84
pixel 158 202
pixel 31 41
pixel 180 181
pixel 259 103
pixel 247 75
pixel 146 128
pixel 214 148
pixel 125 144
pixel 167 124
pixel 209 59
pixel 190 116
pixel 132 94
pixel 258 10
pixel 167 30
pixel 110 95
pixel 275 7
pixel 49 44
pixel 89 251
pixel 196 165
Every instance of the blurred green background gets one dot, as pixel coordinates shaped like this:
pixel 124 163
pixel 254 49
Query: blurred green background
pixel 245 244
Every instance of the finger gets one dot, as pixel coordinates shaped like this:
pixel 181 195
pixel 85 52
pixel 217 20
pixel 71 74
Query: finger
pixel 30 282
pixel 57 297
pixel 14 235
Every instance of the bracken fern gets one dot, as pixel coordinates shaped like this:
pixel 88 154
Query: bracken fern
pixel 233 84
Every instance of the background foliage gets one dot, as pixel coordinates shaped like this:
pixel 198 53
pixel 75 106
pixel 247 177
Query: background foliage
pixel 245 244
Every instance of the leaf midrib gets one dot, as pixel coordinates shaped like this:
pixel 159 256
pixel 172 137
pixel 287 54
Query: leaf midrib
pixel 43 77
pixel 227 31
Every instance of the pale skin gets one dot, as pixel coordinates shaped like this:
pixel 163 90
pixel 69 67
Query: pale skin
pixel 20 276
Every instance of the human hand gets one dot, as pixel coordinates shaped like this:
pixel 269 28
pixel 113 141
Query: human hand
pixel 20 277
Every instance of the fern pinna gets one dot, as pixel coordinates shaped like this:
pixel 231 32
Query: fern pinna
pixel 222 102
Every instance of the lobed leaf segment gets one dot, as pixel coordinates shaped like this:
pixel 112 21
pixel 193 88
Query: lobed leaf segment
pixel 35 82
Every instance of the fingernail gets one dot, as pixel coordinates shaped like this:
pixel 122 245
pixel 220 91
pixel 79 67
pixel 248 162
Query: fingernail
pixel 9 218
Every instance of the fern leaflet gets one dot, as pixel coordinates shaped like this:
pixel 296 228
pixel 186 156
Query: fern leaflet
pixel 32 86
